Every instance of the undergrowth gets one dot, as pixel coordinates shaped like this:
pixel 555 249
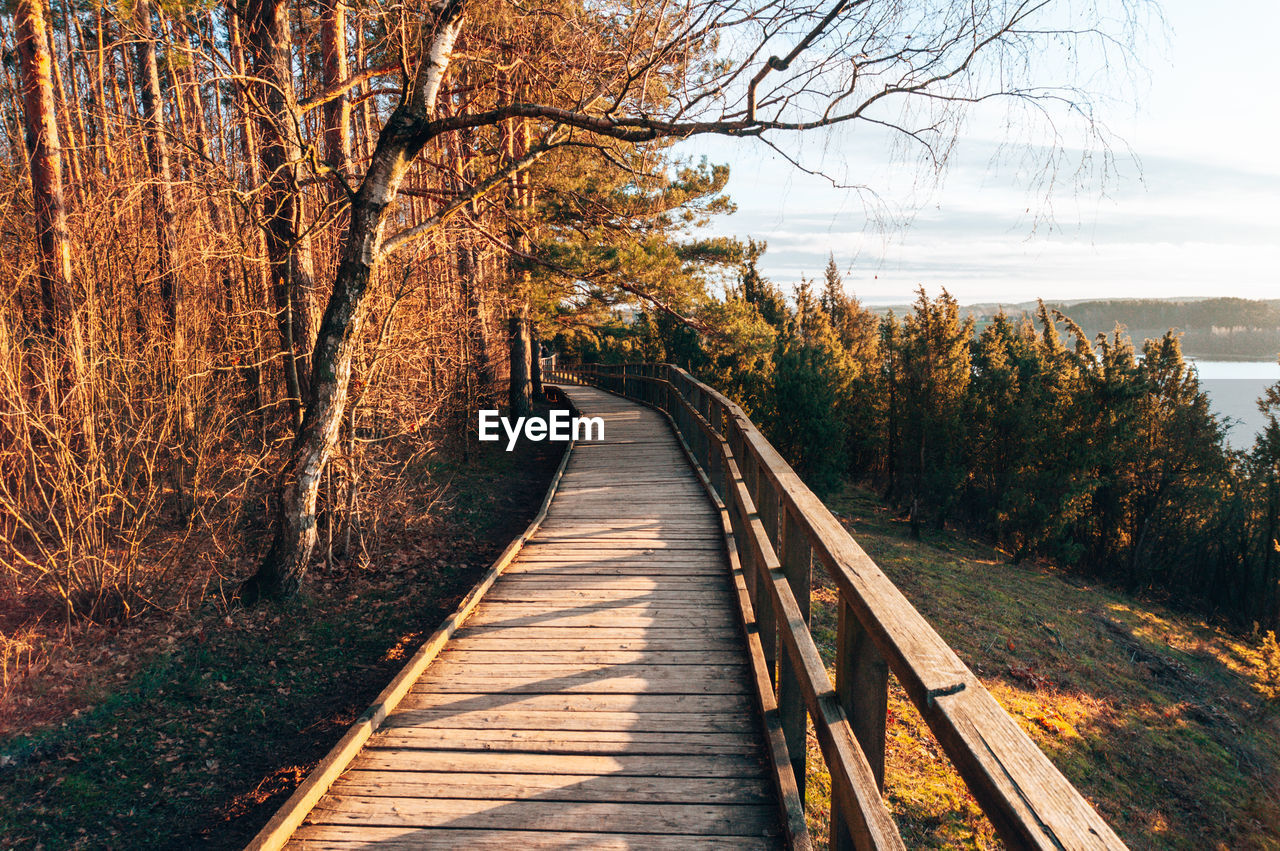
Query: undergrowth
pixel 186 731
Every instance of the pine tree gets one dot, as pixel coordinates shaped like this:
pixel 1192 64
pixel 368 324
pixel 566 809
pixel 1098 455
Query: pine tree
pixel 811 382
pixel 936 373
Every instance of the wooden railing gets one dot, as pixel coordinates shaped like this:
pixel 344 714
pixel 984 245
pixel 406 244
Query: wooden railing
pixel 780 531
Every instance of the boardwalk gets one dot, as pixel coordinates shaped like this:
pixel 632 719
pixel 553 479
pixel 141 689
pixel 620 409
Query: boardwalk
pixel 599 695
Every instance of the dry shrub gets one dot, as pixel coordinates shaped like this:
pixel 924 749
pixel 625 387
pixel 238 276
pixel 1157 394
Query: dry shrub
pixel 1267 674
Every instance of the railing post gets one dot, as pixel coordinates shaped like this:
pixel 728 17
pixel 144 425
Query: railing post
pixel 766 501
pixel 862 686
pixel 797 557
pixel 719 475
pixel 715 465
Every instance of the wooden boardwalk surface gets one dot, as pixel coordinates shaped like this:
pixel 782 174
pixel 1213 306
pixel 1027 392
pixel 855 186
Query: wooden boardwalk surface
pixel 598 697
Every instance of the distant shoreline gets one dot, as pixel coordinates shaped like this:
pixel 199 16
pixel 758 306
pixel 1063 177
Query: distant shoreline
pixel 1223 329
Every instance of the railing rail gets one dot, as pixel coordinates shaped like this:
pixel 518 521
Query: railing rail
pixel 780 531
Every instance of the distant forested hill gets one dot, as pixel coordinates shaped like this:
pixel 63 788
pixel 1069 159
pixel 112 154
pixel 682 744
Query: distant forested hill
pixel 1223 328
pixel 1215 328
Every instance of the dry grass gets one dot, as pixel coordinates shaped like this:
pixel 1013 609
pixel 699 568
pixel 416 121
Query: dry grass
pixel 1157 717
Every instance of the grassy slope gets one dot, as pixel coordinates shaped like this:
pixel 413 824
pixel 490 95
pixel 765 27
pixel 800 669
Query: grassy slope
pixel 195 736
pixel 1151 714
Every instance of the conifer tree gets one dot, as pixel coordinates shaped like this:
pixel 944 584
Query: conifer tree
pixel 811 382
pixel 936 371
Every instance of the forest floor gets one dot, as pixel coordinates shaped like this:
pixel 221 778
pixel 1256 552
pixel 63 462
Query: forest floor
pixel 181 732
pixel 1152 714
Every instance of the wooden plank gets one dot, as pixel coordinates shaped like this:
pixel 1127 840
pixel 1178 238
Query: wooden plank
pixel 585 703
pixel 605 633
pixel 540 547
pixel 599 568
pixel 862 686
pixel 594 657
pixel 626 489
pixel 477 683
pixel 658 561
pixel 569 742
pixel 797 565
pixel 568 596
pixel 350 837
pixel 655 670
pixel 721 819
pixel 606 613
pixel 587 582
pixel 622 527
pixel 501 762
pixel 570 720
pixel 630 538
pixel 692 644
pixel 605 617
pixel 551 787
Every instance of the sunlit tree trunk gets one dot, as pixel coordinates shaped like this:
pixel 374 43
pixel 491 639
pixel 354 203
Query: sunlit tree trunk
pixel 337 112
pixel 255 278
pixel 45 156
pixel 172 294
pixel 288 257
pixel 68 116
pixel 160 162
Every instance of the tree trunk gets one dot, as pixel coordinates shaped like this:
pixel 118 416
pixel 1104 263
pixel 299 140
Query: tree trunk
pixel 172 296
pixel 161 164
pixel 256 283
pixel 45 155
pixel 515 135
pixel 282 570
pixel 68 116
pixel 337 112
pixel 288 255
pixel 535 362
pixel 477 315
pixel 521 400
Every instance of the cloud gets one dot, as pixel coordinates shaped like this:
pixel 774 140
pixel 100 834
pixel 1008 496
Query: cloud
pixel 1178 227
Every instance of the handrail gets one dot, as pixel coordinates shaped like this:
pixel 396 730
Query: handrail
pixel 780 530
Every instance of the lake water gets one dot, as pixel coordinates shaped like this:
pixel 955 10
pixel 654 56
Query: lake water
pixel 1234 388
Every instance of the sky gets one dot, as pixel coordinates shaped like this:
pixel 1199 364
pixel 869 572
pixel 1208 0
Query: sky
pixel 1190 209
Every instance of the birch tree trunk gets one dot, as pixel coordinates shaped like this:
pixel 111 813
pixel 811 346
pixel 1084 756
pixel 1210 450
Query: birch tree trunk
pixel 282 570
pixel 45 155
